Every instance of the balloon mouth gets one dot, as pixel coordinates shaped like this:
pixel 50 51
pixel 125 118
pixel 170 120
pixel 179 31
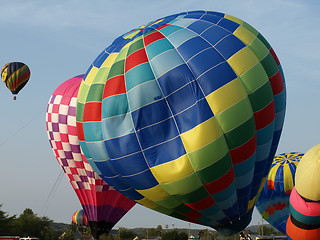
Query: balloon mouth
pixel 236 226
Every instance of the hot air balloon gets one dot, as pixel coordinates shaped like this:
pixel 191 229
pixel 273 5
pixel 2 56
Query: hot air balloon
pixel 273 202
pixel 80 218
pixel 184 115
pixel 15 76
pixel 103 205
pixel 304 220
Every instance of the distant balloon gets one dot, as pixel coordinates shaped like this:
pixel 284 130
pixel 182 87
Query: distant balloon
pixel 15 76
pixel 80 218
pixel 304 220
pixel 184 115
pixel 273 202
pixel 103 205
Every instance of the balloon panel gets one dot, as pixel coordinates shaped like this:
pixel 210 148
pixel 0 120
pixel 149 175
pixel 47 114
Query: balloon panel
pixel 184 116
pixel 103 205
pixel 80 218
pixel 273 202
pixel 15 76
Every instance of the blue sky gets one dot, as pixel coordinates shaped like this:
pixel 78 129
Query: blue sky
pixel 59 39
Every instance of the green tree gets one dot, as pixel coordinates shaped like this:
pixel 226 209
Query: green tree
pixel 125 234
pixel 29 224
pixel 174 235
pixel 6 223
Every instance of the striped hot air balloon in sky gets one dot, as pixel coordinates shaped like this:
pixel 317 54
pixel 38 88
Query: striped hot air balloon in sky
pixel 273 202
pixel 184 115
pixel 15 76
pixel 103 205
pixel 80 218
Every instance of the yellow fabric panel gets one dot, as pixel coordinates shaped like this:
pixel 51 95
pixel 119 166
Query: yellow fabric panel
pixel 147 203
pixel 90 76
pixel 226 96
pixel 201 135
pixel 243 60
pixel 234 19
pixel 173 170
pixel 156 193
pixel 244 35
pixel 307 176
pixel 272 174
pixel 288 181
pixel 109 60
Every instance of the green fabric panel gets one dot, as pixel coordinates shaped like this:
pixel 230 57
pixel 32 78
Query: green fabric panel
pixel 262 97
pixel 138 75
pixel 265 42
pixel 265 134
pixel 182 209
pixel 177 215
pixel 163 210
pixel 216 170
pixel 136 45
pixel 308 220
pixel 250 28
pixel 171 202
pixel 83 92
pixel 79 110
pixel 254 78
pixel 209 154
pixel 123 53
pixel 183 186
pixel 150 32
pixel 101 76
pixel 259 49
pixel 211 211
pixel 241 134
pixel 95 93
pixel 270 65
pixel 116 69
pixel 115 105
pixel 194 196
pixel 235 115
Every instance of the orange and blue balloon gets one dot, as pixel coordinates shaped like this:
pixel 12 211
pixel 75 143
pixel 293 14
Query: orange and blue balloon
pixel 184 115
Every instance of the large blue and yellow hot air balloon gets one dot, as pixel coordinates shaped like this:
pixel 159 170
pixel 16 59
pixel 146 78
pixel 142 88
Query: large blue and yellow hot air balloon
pixel 273 202
pixel 184 115
pixel 15 76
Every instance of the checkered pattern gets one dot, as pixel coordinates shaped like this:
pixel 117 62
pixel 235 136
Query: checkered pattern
pixel 184 116
pixel 99 200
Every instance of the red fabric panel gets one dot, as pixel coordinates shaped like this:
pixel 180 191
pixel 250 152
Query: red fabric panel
pixel 276 82
pixel 265 116
pixel 202 204
pixel 152 38
pixel 242 153
pixel 221 183
pixel 92 111
pixel 114 86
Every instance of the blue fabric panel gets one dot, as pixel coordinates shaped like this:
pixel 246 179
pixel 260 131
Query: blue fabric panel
pixel 142 181
pixel 100 59
pixel 243 198
pixel 92 131
pixel 232 211
pixel 199 26
pixel 97 150
pixel 137 75
pixel 212 211
pixel 165 152
pixel 228 24
pixel 166 31
pixel 116 182
pixel 158 47
pixel 114 105
pixel 165 62
pixel 144 94
pixel 244 180
pixel 229 46
pixel 204 61
pixel 116 126
pixel 216 77
pixel 193 116
pixel 175 79
pixel 195 15
pixel 279 119
pixel 192 47
pixel 122 146
pixel 212 18
pixel 262 151
pixel 157 133
pixel 132 194
pixel 214 34
pixel 150 114
pixel 107 168
pixel 129 165
pixel 181 36
pixel 243 167
pixel 85 150
pixel 226 193
pixel 264 135
pixel 280 101
pixel 185 97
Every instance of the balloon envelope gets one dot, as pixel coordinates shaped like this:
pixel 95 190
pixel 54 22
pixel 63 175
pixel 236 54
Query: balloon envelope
pixel 273 202
pixel 15 76
pixel 80 218
pixel 103 205
pixel 183 115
